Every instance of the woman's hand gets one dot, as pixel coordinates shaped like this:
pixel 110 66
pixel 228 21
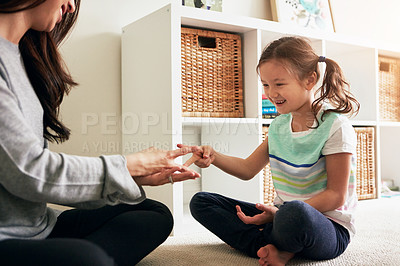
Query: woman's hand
pixel 177 174
pixel 152 161
pixel 203 156
pixel 267 216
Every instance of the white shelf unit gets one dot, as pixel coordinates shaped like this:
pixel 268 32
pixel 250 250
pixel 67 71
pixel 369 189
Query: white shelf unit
pixel 151 88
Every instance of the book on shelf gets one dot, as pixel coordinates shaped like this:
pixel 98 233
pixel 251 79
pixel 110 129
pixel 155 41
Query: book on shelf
pixel 269 116
pixel 267 103
pixel 268 108
pixel 269 112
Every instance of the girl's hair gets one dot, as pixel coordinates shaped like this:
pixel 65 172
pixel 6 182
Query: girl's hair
pixel 300 60
pixel 45 68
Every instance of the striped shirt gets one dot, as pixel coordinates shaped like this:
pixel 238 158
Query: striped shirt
pixel 297 161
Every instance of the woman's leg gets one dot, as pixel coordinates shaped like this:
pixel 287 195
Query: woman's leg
pixel 62 252
pixel 301 229
pixel 218 214
pixel 126 232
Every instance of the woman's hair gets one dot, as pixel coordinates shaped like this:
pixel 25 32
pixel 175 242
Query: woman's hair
pixel 300 60
pixel 45 68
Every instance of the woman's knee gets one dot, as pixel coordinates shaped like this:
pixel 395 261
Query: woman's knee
pixel 158 207
pixel 166 219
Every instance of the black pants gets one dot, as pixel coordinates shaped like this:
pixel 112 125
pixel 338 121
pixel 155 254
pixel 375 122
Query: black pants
pixel 297 227
pixel 112 235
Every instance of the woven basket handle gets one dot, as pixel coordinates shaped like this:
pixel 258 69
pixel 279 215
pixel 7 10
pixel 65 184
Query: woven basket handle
pixel 384 66
pixel 207 42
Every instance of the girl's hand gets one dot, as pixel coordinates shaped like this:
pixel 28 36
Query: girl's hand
pixel 177 174
pixel 267 216
pixel 203 156
pixel 152 161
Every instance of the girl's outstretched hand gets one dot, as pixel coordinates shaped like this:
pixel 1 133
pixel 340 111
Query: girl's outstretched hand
pixel 203 156
pixel 266 216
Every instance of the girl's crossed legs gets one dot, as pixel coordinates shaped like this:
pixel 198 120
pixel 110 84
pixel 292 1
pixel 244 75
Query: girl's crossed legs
pixel 297 227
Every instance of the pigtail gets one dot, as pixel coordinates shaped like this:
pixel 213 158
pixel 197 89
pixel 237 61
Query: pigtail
pixel 335 90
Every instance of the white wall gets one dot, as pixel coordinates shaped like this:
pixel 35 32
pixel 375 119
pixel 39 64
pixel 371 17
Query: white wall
pixel 92 110
pixel 378 20
pixel 92 53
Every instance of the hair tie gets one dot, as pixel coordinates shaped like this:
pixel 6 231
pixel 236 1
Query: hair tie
pixel 321 59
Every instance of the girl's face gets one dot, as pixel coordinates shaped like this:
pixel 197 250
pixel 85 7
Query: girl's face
pixel 286 92
pixel 45 16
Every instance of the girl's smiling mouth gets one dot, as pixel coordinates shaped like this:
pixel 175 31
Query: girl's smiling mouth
pixel 279 102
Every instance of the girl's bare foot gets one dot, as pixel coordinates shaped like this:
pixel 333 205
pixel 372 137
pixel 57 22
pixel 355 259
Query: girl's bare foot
pixel 270 255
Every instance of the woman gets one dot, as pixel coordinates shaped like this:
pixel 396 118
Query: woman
pixel 113 221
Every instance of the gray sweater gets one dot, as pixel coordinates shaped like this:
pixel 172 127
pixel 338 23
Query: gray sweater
pixel 31 175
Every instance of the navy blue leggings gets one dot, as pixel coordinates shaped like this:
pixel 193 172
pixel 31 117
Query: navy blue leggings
pixel 297 227
pixel 111 235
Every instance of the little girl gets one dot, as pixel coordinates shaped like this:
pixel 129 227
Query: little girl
pixel 311 148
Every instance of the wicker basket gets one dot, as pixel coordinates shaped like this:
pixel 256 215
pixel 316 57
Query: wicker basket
pixel 365 175
pixel 212 84
pixel 269 190
pixel 389 89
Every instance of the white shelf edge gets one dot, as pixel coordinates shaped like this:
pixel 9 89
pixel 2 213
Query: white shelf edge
pixel 240 24
pixel 267 121
pixel 353 122
pixel 363 123
pixel 217 120
pixel 389 124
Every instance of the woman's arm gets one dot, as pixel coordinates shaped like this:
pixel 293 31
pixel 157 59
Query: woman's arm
pixel 153 167
pixel 338 171
pixel 244 169
pixel 68 179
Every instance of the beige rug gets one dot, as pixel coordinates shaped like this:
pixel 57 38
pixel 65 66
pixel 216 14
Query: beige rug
pixel 377 242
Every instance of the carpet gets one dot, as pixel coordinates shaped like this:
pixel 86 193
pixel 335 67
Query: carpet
pixel 377 242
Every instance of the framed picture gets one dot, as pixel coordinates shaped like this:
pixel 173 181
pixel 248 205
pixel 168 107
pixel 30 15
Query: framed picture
pixel 214 5
pixel 314 14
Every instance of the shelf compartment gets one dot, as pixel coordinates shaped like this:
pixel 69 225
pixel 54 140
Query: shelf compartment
pixel 365 173
pixel 212 83
pixel 239 140
pixel 358 64
pixel 390 153
pixel 389 89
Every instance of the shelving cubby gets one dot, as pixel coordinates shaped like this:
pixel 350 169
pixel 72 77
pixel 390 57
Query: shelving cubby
pixel 151 97
pixel 389 113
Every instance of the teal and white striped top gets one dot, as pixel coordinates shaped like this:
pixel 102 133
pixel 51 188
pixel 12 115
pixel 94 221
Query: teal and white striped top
pixel 297 161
